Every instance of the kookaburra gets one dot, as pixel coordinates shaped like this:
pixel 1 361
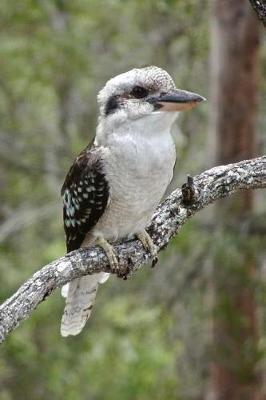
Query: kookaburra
pixel 115 184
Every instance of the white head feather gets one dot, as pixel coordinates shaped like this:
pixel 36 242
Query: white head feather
pixel 119 108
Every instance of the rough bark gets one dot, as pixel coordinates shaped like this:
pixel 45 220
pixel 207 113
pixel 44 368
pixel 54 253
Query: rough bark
pixel 235 45
pixel 209 186
pixel 259 7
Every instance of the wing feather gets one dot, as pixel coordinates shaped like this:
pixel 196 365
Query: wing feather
pixel 85 195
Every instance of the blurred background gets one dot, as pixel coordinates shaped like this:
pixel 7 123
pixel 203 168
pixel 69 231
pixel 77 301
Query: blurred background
pixel 194 327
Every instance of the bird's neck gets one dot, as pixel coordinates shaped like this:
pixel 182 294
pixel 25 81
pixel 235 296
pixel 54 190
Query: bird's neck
pixel 156 126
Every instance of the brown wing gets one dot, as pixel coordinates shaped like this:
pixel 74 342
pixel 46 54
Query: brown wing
pixel 85 195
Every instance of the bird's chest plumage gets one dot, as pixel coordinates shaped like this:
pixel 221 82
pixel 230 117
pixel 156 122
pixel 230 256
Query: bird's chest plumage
pixel 138 171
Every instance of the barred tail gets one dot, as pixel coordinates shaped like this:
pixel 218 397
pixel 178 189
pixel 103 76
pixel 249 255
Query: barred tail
pixel 80 297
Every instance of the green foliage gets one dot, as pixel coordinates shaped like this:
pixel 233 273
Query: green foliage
pixel 124 354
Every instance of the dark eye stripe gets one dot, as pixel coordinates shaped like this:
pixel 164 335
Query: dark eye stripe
pixel 111 105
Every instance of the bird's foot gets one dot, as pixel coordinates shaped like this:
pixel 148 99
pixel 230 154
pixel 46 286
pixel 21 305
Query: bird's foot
pixel 110 254
pixel 148 244
pixel 189 192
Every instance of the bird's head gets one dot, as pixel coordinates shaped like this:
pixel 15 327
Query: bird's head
pixel 141 92
pixel 142 99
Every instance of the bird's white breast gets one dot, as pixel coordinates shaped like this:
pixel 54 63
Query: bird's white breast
pixel 138 169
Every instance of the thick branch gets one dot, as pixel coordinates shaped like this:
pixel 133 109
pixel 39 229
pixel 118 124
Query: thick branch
pixel 209 186
pixel 260 8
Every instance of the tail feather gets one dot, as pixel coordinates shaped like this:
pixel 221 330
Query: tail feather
pixel 64 290
pixel 80 297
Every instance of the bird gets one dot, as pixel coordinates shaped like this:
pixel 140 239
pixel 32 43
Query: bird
pixel 116 183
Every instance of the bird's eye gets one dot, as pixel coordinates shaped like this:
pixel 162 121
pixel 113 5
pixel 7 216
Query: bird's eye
pixel 139 92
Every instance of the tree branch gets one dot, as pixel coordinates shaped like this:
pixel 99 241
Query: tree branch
pixel 170 216
pixel 259 7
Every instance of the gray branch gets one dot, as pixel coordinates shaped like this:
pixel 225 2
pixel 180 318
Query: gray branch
pixel 259 7
pixel 170 216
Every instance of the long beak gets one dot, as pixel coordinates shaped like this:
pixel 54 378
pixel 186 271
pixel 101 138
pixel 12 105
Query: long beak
pixel 176 100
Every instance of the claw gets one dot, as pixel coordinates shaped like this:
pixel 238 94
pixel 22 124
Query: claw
pixel 148 244
pixel 154 261
pixel 110 254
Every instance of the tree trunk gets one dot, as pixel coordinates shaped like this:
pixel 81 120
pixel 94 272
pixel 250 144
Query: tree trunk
pixel 234 62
